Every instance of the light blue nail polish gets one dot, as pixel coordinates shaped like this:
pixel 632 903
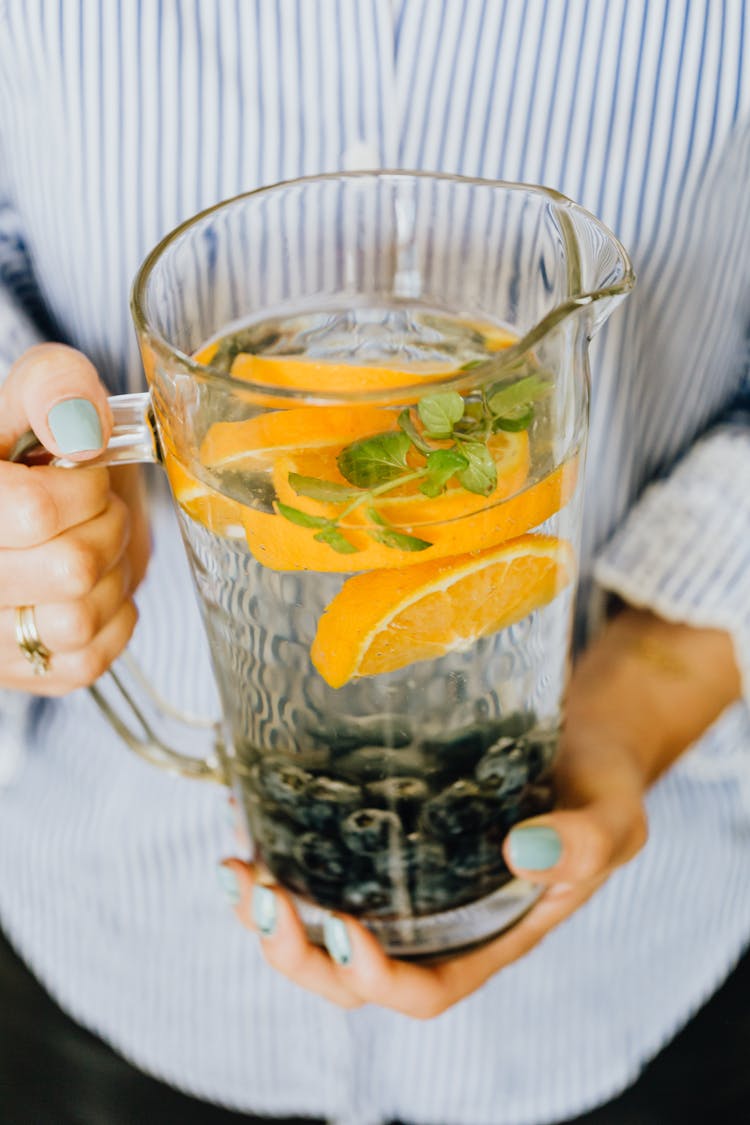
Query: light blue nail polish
pixel 535 848
pixel 229 884
pixel 337 940
pixel 264 910
pixel 75 425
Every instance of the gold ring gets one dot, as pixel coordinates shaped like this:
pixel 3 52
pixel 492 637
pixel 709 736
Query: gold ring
pixel 29 641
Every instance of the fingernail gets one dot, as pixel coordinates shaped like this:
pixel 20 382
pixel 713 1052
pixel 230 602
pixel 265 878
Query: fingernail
pixel 75 425
pixel 264 910
pixel 535 848
pixel 229 883
pixel 337 940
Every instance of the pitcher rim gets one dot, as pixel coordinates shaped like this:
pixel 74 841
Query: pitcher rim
pixel 453 380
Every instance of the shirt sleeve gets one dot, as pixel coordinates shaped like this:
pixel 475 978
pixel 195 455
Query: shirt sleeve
pixel 23 320
pixel 18 331
pixel 684 549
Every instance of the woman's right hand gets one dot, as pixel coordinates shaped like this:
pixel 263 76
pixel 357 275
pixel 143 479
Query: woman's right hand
pixel 65 535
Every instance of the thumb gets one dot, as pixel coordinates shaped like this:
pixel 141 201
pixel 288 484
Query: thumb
pixel 55 391
pixel 578 845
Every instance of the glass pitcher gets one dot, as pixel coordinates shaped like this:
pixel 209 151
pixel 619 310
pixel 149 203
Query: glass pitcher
pixel 370 395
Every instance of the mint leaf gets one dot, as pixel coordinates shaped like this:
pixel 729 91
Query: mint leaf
pixel 504 397
pixel 334 538
pixel 442 464
pixel 517 419
pixel 481 474
pixel 317 489
pixel 302 519
pixel 472 364
pixel 375 460
pixel 439 413
pixel 474 418
pixel 399 540
pixel 411 431
pixel 376 517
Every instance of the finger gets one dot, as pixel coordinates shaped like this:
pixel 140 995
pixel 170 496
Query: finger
pixel 38 504
pixel 426 991
pixel 69 566
pixel 577 845
pixel 55 391
pixel 70 626
pixel 71 670
pixel 269 912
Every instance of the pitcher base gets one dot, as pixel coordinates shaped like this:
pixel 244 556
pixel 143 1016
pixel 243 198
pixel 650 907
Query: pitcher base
pixel 431 937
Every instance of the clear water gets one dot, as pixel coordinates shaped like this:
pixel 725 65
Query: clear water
pixel 388 797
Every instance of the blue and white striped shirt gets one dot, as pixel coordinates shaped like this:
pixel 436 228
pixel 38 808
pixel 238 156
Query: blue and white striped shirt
pixel 118 120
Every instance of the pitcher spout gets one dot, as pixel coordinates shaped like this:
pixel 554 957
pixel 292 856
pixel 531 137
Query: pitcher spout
pixel 599 271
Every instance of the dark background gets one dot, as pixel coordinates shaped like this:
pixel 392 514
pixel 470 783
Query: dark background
pixel 52 1072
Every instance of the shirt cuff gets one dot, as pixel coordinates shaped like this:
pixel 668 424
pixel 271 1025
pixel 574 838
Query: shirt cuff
pixel 684 550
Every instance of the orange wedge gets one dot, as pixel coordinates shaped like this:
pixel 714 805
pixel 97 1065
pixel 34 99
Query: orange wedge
pixel 389 619
pixel 216 512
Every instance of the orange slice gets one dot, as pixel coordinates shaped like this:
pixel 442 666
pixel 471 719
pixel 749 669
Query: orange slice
pixel 321 377
pixel 281 545
pixel 298 373
pixel 206 353
pixel 254 445
pixel 495 336
pixel 386 620
pixel 406 507
pixel 216 512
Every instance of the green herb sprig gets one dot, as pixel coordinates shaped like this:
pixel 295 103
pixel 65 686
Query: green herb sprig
pixel 376 465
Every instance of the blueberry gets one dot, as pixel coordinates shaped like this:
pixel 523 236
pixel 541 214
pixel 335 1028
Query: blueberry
pixel 246 756
pixel 367 897
pixel 285 870
pixel 457 751
pixel 328 802
pixel 459 809
pixel 511 811
pixel 368 831
pixel 540 750
pixel 537 799
pixel 321 857
pixel 273 832
pixel 314 760
pixel 376 763
pixel 326 893
pixel 415 856
pixel 504 769
pixel 281 781
pixel 439 892
pixel 403 795
pixel 476 856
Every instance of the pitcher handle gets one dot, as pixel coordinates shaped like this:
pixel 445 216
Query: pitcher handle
pixel 134 440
